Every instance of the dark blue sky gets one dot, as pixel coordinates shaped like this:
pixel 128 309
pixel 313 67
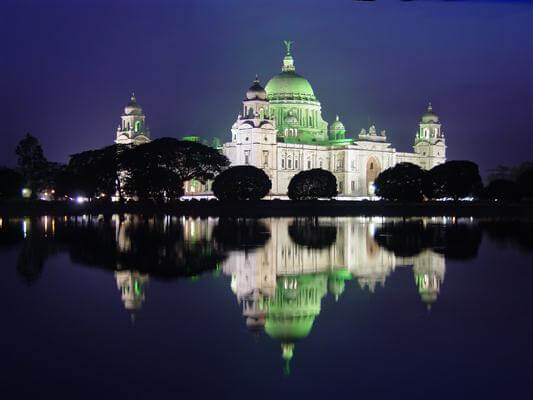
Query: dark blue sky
pixel 67 68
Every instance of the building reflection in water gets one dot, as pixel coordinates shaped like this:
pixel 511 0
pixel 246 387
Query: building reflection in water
pixel 282 284
pixel 132 288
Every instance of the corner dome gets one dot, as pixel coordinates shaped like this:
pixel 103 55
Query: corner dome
pixel 132 108
pixel 256 91
pixel 337 125
pixel 429 117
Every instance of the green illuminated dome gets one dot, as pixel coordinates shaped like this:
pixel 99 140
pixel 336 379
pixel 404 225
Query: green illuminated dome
pixel 336 125
pixel 289 85
pixel 289 329
pixel 429 116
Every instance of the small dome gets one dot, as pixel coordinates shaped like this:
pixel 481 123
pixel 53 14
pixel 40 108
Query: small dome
pixel 337 125
pixel 256 91
pixel 429 116
pixel 132 108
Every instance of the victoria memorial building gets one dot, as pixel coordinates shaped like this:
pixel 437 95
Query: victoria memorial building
pixel 281 130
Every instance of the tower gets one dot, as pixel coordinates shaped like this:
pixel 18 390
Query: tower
pixel 429 140
pixel 133 128
pixel 253 135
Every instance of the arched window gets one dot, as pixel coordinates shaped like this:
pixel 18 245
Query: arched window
pixel 371 166
pixel 426 132
pixel 137 126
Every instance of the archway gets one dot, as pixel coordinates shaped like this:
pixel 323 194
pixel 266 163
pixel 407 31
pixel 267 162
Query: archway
pixel 373 169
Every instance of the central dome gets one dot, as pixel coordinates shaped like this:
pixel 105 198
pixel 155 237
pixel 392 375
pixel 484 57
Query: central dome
pixel 288 84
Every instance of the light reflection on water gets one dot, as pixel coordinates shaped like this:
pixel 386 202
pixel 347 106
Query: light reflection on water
pixel 280 270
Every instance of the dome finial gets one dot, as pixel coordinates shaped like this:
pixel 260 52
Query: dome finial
pixel 256 80
pixel 288 44
pixel 336 118
pixel 430 108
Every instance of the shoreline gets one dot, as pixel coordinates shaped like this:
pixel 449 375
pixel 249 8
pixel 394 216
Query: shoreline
pixel 271 208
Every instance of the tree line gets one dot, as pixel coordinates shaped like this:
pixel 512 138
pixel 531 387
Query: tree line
pixel 156 171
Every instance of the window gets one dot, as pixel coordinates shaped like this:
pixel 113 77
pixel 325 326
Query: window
pixel 320 164
pixel 371 165
pixel 308 164
pixel 265 158
pixel 341 186
pixel 247 157
pixel 246 138
pixel 289 163
pixel 282 163
pixel 353 186
pixel 295 164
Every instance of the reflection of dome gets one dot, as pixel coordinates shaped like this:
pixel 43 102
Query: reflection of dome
pixel 132 108
pixel 289 329
pixel 336 282
pixel 429 116
pixel 256 91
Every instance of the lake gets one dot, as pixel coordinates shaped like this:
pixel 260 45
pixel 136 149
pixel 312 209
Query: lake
pixel 158 307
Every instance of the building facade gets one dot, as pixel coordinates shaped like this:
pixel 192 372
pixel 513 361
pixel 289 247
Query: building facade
pixel 281 130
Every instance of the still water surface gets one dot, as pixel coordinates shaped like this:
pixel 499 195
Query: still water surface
pixel 159 307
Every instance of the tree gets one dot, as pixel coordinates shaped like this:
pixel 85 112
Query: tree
pixel 524 183
pixel 11 183
pixel 403 182
pixel 31 163
pixel 243 182
pixel 312 184
pixel 190 160
pixel 454 179
pixel 94 172
pixel 501 190
pixel 148 181
pixel 308 232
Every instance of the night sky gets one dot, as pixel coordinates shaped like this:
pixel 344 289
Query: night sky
pixel 68 67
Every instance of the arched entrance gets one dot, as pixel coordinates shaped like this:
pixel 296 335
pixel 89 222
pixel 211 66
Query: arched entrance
pixel 373 169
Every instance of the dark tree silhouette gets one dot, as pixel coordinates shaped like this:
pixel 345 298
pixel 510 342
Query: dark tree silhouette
pixel 11 183
pixel 406 239
pixel 31 163
pixel 93 172
pixel 243 182
pixel 403 182
pixel 312 184
pixel 454 179
pixel 310 233
pixel 502 190
pixel 241 234
pixel 190 160
pixel 524 183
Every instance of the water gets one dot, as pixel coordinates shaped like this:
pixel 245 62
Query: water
pixel 96 307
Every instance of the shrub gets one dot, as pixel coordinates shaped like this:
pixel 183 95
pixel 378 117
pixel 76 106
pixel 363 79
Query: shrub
pixel 313 184
pixel 403 182
pixel 243 182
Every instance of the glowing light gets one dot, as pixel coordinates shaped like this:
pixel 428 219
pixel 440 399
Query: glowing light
pixel 26 193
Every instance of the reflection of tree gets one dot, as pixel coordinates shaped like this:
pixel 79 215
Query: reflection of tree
pixel 407 239
pixel 518 233
pixel 310 233
pixel 241 234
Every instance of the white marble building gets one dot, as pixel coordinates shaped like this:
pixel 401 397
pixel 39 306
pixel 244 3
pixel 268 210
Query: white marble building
pixel 280 130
